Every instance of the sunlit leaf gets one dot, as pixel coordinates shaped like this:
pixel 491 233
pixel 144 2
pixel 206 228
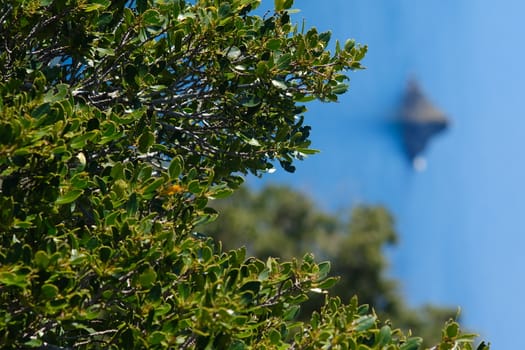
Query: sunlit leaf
pixel 233 53
pixel 279 84
pixel 69 197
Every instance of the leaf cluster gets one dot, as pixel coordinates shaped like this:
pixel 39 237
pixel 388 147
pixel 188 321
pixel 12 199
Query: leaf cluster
pixel 208 82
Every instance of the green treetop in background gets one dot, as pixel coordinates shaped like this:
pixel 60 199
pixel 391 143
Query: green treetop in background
pixel 281 222
pixel 119 121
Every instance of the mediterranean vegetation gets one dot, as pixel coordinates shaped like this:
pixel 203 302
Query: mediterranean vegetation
pixel 123 124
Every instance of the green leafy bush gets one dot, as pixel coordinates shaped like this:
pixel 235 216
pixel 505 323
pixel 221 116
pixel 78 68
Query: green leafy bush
pixel 119 122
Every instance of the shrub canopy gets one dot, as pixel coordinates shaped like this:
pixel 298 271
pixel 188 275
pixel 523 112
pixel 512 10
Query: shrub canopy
pixel 119 121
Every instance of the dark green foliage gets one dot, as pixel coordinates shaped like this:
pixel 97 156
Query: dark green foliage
pixel 119 121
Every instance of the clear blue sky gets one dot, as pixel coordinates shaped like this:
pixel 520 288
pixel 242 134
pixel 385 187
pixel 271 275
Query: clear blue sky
pixel 462 220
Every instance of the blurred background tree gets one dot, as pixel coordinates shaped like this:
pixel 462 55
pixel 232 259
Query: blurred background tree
pixel 281 222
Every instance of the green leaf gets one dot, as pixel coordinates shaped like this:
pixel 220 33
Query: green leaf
pixel 253 286
pixel 152 18
pixel 237 345
pixel 308 151
pixel 205 253
pixel 279 84
pixel 284 61
pixel 364 323
pixel 175 168
pixel 340 88
pixel 251 101
pixel 349 45
pixel 105 51
pixel 146 141
pixel 177 40
pixel 254 142
pixel 33 343
pixel 147 278
pixel 324 269
pixel 224 10
pixel 13 279
pixel 273 44
pixel 306 98
pixel 183 291
pixel 291 312
pixel 328 283
pixel 201 202
pixel 363 310
pixel 262 68
pixel 282 4
pixel 81 141
pixel 384 337
pixel 133 204
pixel 208 215
pixel 195 187
pixel 77 258
pixel 69 197
pixel 263 276
pixel 223 193
pixel 117 171
pixel 325 37
pixel 153 186
pixel 95 5
pixel 412 344
pixel 41 110
pixel 275 337
pixel 50 96
pixel 156 338
pixel 49 291
pixel 41 259
pixel 452 330
pixel 105 253
pixel 22 224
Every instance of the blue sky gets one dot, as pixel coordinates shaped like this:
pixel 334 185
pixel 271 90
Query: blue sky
pixel 460 221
